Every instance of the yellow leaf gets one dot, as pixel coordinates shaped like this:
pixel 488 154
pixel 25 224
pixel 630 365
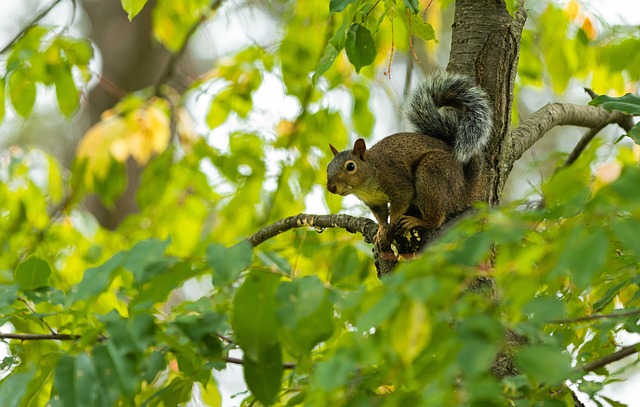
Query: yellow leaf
pixel 95 147
pixel 210 394
pixel 185 128
pixel 410 331
pixel 573 9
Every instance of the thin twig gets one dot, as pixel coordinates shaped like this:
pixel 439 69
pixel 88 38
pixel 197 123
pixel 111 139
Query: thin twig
pixel 595 317
pixel 31 23
pixel 35 337
pixel 602 362
pixel 582 145
pixel 236 361
pixel 33 311
pixel 170 67
pixel 225 338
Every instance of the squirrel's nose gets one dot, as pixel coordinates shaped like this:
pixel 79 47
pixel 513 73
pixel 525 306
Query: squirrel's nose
pixel 332 188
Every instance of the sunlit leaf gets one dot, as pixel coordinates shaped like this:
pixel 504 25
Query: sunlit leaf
pixel 132 7
pixel 32 273
pixel 66 92
pixel 2 98
pixel 410 331
pixel 22 91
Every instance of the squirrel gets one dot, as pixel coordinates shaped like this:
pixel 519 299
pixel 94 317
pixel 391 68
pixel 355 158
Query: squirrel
pixel 435 171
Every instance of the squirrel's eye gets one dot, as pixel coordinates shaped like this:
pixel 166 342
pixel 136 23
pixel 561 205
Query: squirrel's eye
pixel 351 166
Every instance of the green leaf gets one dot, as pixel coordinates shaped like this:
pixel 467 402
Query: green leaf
pixel 634 133
pixel 254 314
pixel 155 178
pixel 475 248
pixel 628 103
pixel 609 295
pixel 334 372
pixel 95 280
pixel 544 363
pixel 412 5
pixel 158 288
pixel 360 47
pixel 544 308
pixel 202 331
pixel 336 6
pixel 381 311
pixel 145 259
pixel 264 376
pixel 421 28
pixel 227 263
pixel 14 385
pixel 32 273
pixel 305 313
pixel 326 60
pixel 117 374
pixel 275 262
pixel 75 381
pixel 66 92
pixel 8 294
pixel 2 96
pixel 410 330
pixel 152 365
pixel 363 119
pixel 627 232
pixel 22 91
pixel 133 7
pixel 583 256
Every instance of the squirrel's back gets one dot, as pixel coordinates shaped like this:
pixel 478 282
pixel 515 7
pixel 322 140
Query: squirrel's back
pixel 452 108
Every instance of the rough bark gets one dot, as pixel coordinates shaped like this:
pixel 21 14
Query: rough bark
pixel 485 44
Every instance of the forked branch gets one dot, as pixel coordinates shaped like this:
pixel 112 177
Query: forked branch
pixel 563 114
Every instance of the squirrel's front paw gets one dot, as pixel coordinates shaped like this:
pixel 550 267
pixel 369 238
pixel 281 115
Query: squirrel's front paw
pixel 410 222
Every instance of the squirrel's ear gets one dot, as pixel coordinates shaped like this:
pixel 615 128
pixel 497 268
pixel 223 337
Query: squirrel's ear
pixel 359 148
pixel 333 150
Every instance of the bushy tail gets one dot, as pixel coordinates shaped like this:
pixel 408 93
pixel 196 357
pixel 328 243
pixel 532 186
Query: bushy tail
pixel 452 108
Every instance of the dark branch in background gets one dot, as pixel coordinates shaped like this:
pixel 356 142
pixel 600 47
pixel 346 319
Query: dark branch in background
pixel 31 23
pixel 562 114
pixel 352 224
pixel 602 362
pixel 170 67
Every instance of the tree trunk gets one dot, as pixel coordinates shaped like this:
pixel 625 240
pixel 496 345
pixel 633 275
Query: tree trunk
pixel 130 62
pixel 485 44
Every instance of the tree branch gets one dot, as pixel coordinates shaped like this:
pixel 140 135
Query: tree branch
pixel 236 361
pixel 31 23
pixel 352 224
pixel 170 66
pixel 602 362
pixel 36 337
pixel 562 114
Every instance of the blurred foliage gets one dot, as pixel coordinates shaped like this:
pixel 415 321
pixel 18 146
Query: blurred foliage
pixel 314 324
